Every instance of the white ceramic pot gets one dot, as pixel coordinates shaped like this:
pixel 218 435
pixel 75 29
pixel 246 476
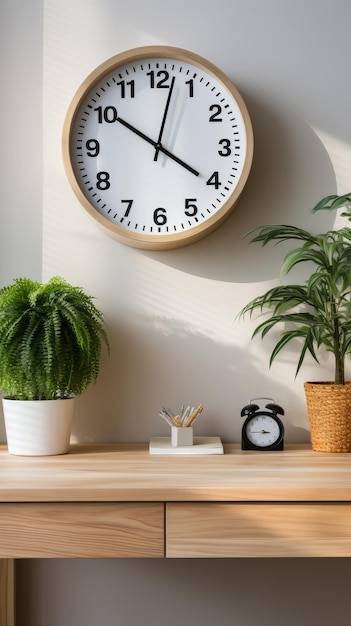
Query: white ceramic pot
pixel 38 427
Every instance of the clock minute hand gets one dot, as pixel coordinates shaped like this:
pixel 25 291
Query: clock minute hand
pixel 177 160
pixel 155 144
pixel 164 120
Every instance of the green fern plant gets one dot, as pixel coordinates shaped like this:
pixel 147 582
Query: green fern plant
pixel 318 311
pixel 51 337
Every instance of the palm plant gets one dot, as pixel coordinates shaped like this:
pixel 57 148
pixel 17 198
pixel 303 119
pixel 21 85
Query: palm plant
pixel 51 337
pixel 318 311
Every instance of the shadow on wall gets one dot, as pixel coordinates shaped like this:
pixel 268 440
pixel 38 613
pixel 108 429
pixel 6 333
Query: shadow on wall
pixel 157 360
pixel 291 171
pixel 163 362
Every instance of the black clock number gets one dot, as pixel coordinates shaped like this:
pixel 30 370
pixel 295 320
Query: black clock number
pixel 123 84
pixel 190 82
pixel 103 181
pixel 93 147
pixel 107 114
pixel 162 82
pixel 214 180
pixel 129 206
pixel 225 151
pixel 215 117
pixel 160 217
pixel 190 207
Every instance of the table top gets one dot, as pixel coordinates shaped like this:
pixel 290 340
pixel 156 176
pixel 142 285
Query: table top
pixel 126 472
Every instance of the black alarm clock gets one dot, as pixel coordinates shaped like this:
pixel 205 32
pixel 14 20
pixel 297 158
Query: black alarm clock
pixel 262 429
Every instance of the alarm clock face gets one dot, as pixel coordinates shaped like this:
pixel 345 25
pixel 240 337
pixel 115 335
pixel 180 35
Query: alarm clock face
pixel 263 431
pixel 157 146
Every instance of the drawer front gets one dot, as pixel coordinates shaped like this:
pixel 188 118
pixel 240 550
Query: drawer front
pixel 258 530
pixel 39 530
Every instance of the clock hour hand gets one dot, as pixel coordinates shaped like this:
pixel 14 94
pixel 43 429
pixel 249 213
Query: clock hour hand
pixel 136 131
pixel 164 120
pixel 157 145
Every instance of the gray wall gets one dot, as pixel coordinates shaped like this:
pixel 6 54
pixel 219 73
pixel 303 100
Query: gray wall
pixel 21 174
pixel 290 60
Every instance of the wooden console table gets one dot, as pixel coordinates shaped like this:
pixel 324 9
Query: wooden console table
pixel 115 500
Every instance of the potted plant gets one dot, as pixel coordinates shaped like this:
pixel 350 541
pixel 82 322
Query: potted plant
pixel 51 337
pixel 317 313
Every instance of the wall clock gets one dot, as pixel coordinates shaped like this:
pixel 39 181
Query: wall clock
pixel 157 146
pixel 262 429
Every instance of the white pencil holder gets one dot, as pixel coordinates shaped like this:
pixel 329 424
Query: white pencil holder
pixel 182 436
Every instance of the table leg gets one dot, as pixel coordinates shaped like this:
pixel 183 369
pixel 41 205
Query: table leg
pixel 7 592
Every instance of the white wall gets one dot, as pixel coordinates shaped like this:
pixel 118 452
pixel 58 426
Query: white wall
pixel 172 314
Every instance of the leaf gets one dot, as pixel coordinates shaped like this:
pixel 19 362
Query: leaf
pixel 51 337
pixel 332 202
pixel 319 309
pixel 279 233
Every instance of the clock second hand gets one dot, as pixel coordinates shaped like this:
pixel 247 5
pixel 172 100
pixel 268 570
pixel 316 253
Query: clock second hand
pixel 157 145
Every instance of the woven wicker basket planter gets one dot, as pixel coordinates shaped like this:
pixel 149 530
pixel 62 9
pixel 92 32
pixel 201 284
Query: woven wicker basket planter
pixel 329 412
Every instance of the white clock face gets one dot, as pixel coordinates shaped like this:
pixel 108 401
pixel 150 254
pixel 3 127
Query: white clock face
pixel 262 431
pixel 157 148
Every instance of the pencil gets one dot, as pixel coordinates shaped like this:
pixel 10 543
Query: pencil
pixel 194 415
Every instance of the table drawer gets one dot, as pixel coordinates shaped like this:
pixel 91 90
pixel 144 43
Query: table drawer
pixel 293 529
pixel 39 530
